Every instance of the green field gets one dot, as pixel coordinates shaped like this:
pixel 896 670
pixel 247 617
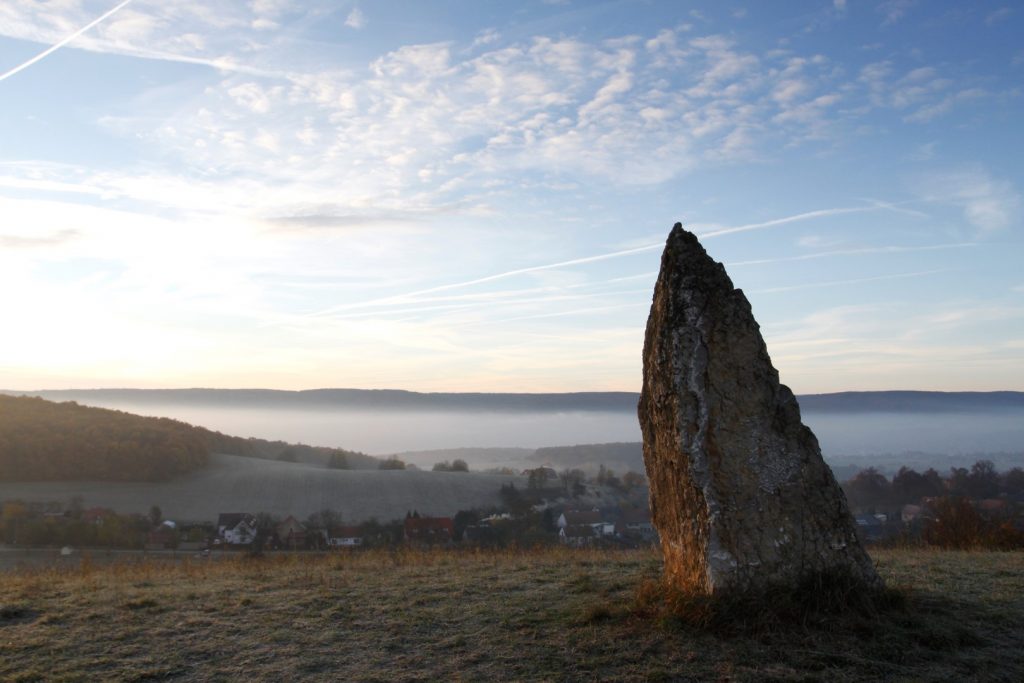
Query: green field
pixel 237 484
pixel 550 615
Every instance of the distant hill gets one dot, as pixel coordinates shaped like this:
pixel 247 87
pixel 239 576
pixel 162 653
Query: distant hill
pixel 911 401
pixel 386 399
pixel 478 458
pixel 282 450
pixel 353 399
pixel 40 440
pixel 45 441
pixel 620 457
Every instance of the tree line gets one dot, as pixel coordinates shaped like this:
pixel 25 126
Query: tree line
pixel 45 441
pixel 872 489
pixel 969 508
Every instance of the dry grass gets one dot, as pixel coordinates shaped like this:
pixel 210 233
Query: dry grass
pixel 233 483
pixel 544 615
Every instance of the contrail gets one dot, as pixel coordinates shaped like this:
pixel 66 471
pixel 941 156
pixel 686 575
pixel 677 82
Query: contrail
pixel 53 48
pixel 789 219
pixel 855 252
pixel 591 259
pixel 857 281
pixel 489 278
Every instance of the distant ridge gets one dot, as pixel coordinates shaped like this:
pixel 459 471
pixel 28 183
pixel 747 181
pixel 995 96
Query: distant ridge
pixel 606 401
pixel 365 399
pixel 911 401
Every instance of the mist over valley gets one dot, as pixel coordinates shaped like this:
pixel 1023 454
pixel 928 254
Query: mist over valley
pixel 504 430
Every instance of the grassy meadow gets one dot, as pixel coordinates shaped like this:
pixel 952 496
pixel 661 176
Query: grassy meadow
pixel 490 615
pixel 232 483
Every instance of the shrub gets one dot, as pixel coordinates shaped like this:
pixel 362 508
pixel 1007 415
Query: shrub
pixel 957 525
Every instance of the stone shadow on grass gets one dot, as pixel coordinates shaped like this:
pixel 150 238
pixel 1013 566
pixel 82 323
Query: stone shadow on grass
pixel 827 624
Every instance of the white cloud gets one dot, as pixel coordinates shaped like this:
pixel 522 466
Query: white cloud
pixel 13 241
pixel 131 26
pixel 632 110
pixel 998 15
pixel 894 10
pixel 272 8
pixel 451 123
pixel 618 84
pixel 926 151
pixel 923 90
pixel 788 90
pixel 188 31
pixel 253 96
pixel 936 109
pixel 432 117
pixel 356 19
pixel 486 37
pixel 989 204
pixel 723 65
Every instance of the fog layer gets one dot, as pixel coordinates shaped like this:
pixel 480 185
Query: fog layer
pixel 396 431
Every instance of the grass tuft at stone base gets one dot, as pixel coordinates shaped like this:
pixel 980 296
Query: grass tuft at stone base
pixel 825 602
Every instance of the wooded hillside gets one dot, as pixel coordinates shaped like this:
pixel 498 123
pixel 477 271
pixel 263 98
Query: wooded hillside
pixel 618 456
pixel 45 441
pixel 335 458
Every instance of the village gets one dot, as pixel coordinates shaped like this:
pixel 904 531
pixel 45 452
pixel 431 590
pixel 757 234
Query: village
pixel 964 508
pixel 566 508
pixel 978 507
pixel 47 525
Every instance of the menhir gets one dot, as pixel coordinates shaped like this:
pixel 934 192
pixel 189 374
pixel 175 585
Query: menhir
pixel 740 494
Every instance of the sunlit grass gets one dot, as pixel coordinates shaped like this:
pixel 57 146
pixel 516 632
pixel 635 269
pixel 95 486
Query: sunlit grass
pixel 549 614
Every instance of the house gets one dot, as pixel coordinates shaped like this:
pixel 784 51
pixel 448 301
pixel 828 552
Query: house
pixel 195 535
pixel 344 537
pixel 592 518
pixel 578 517
pixel 429 530
pixel 912 513
pixel 497 517
pixel 482 534
pixel 291 533
pixel 993 508
pixel 577 535
pixel 236 528
pixel 870 527
pixel 636 524
pixel 163 537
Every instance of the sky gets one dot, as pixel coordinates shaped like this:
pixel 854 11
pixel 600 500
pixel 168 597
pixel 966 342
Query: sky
pixel 473 196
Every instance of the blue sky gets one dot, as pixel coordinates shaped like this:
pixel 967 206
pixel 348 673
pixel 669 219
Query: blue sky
pixel 472 195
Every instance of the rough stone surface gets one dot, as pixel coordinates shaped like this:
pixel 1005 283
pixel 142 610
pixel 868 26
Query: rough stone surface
pixel 740 494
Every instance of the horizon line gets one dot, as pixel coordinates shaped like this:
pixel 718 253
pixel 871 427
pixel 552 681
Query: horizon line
pixel 493 393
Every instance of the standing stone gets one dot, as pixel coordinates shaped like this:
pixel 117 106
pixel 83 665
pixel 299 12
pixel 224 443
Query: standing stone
pixel 740 494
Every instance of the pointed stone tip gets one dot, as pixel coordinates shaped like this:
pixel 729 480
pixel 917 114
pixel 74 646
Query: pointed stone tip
pixel 681 234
